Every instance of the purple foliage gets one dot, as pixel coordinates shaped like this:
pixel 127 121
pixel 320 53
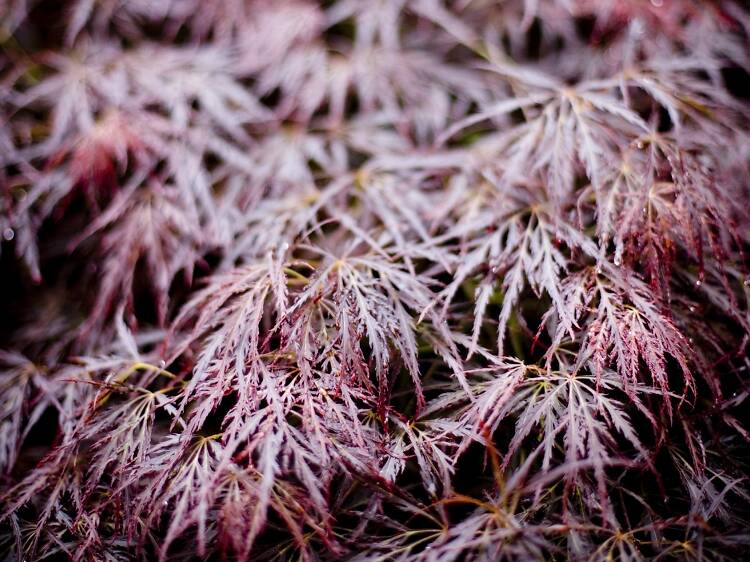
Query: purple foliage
pixel 424 280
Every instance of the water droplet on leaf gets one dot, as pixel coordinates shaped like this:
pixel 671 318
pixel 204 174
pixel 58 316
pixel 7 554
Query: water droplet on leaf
pixel 9 234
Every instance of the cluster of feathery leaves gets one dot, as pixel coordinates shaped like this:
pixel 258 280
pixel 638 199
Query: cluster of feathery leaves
pixel 374 279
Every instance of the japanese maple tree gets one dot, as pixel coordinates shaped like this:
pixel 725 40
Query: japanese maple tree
pixel 418 280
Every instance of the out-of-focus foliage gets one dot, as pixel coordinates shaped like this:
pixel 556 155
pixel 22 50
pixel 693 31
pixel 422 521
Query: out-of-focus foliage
pixel 429 280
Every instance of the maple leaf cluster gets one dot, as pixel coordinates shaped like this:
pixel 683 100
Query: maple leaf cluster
pixel 413 280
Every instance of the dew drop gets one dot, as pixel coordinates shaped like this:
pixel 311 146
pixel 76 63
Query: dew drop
pixel 640 145
pixel 618 262
pixel 692 309
pixel 598 269
pixel 162 364
pixel 698 283
pixel 9 234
